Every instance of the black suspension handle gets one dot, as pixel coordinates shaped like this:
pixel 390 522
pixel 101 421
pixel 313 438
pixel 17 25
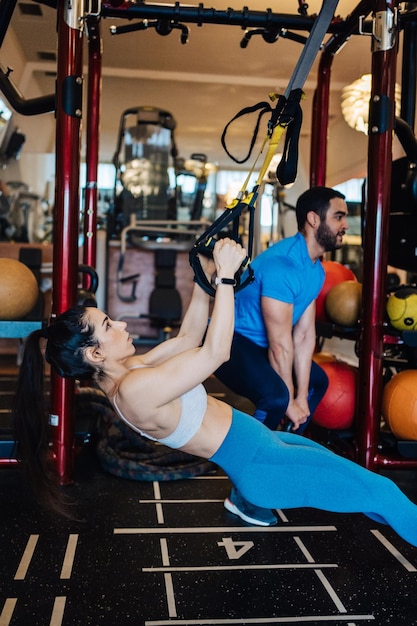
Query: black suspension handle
pixel 205 248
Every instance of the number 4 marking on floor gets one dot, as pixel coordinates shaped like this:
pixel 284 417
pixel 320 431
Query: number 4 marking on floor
pixel 235 549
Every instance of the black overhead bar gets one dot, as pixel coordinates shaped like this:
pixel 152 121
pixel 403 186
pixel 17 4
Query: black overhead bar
pixel 275 23
pixel 200 15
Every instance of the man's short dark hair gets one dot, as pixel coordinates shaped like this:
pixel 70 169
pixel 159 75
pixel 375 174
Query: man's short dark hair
pixel 316 199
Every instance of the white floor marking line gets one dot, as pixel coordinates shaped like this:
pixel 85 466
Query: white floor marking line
pixel 326 619
pixel 282 516
pixel 7 612
pixel 26 558
pixel 169 590
pixel 322 578
pixel 157 501
pixel 159 513
pixel 304 550
pixel 169 587
pixel 332 593
pixel 69 557
pixel 164 551
pixel 223 529
pixel 58 611
pixel 229 568
pixel 393 550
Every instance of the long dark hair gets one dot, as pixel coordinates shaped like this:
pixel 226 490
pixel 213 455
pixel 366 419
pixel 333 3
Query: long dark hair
pixel 66 339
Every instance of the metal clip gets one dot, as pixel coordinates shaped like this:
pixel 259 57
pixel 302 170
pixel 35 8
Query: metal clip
pixel 77 12
pixel 384 26
pixel 360 26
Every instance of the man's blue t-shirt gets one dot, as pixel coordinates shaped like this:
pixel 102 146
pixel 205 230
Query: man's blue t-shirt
pixel 284 272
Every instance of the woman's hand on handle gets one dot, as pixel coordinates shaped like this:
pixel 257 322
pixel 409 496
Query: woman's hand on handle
pixel 228 257
pixel 208 266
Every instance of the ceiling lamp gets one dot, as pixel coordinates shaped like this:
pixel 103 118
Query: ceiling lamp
pixel 355 102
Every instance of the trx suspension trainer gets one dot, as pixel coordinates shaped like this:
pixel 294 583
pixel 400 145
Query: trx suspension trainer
pixel 285 117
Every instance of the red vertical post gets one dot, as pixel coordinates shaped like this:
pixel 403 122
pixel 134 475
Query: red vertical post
pixel 66 217
pixel 381 123
pixel 320 117
pixel 320 122
pixel 92 140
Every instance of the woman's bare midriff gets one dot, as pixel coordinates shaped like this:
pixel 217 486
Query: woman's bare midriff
pixel 216 424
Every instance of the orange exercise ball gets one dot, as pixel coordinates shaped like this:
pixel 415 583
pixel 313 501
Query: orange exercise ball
pixel 399 404
pixel 19 290
pixel 335 273
pixel 323 357
pixel 336 409
pixel 343 303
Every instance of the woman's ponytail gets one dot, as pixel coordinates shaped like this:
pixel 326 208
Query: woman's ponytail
pixel 31 426
pixel 65 341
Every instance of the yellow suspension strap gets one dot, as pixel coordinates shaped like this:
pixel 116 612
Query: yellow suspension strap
pixel 282 117
pixel 286 117
pixel 243 202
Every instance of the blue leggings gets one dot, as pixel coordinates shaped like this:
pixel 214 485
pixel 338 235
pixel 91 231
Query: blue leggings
pixel 249 374
pixel 283 470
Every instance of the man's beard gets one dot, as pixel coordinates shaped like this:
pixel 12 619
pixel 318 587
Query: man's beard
pixel 326 239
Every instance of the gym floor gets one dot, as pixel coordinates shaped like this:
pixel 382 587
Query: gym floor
pixel 162 553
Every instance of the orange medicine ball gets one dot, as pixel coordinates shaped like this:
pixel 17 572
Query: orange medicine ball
pixel 344 303
pixel 399 404
pixel 335 273
pixel 19 290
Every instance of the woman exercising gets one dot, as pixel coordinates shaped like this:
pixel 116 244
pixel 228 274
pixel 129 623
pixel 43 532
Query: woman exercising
pixel 160 395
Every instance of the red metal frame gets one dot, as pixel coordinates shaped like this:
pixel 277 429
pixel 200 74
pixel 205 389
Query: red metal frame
pixel 66 220
pixel 320 122
pixel 67 212
pixel 66 256
pixel 375 238
pixel 8 462
pixel 92 141
pixel 375 245
pixel 320 118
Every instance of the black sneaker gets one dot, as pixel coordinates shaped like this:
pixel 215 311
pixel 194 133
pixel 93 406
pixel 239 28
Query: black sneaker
pixel 248 512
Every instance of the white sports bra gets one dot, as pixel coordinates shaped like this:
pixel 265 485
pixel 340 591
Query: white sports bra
pixel 193 408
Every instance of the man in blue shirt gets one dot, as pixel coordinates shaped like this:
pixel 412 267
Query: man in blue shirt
pixel 275 336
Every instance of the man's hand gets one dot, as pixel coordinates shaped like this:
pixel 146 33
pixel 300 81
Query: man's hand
pixel 298 412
